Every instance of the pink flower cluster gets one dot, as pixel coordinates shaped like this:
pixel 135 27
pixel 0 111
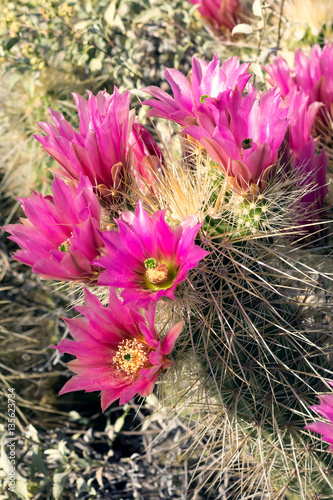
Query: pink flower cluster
pixel 218 13
pixel 308 89
pixel 109 145
pixel 313 75
pixel 67 237
pixel 246 135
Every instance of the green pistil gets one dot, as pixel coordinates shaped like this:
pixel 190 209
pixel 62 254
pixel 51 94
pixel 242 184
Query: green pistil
pixel 160 277
pixel 203 97
pixel 247 143
pixel 64 247
pixel 150 263
pixel 127 357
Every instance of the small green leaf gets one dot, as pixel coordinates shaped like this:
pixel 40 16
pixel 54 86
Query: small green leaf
pixel 148 15
pixel 59 482
pixel 95 65
pixel 243 28
pixel 110 12
pixel 256 8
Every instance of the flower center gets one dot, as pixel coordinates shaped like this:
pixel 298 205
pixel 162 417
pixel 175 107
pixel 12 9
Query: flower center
pixel 151 263
pixel 64 246
pixel 157 274
pixel 247 143
pixel 132 356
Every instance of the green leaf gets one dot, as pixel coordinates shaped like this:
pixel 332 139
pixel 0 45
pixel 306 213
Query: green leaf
pixel 59 482
pixel 110 12
pixel 243 28
pixel 13 80
pixel 147 15
pixel 119 423
pixel 256 8
pixel 256 68
pixel 82 25
pixel 11 42
pixel 21 484
pixel 95 65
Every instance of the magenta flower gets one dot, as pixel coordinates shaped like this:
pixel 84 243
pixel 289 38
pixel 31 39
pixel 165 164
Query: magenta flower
pixel 325 408
pixel 108 145
pixel 313 74
pixel 147 257
pixel 118 350
pixel 301 117
pixel 219 12
pixel 303 148
pixel 206 80
pixel 60 236
pixel 243 135
pixel 146 158
pixel 312 167
pixel 280 75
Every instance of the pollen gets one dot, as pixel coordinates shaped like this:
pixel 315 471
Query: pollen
pixel 132 356
pixel 158 275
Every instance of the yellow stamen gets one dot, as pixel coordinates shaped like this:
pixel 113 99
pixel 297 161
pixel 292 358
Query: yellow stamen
pixel 132 356
pixel 159 275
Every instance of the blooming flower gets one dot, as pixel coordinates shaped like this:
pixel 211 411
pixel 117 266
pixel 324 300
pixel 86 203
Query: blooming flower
pixel 242 134
pixel 145 156
pixel 60 236
pixel 207 80
pixel 313 169
pixel 313 74
pixel 325 408
pixel 148 258
pixel 118 350
pixel 109 142
pixel 219 12
pixel 301 117
pixel 304 159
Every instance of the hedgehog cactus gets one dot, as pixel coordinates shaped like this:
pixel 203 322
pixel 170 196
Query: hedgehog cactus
pixel 256 349
pixel 232 246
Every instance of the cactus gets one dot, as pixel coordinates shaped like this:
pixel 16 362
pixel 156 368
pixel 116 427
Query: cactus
pixel 236 248
pixel 257 345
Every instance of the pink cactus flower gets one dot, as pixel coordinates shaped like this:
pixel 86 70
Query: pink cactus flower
pixel 243 135
pixel 108 145
pixel 206 80
pixel 312 167
pixel 304 157
pixel 313 74
pixel 301 117
pixel 280 75
pixel 147 258
pixel 118 350
pixel 219 13
pixel 325 408
pixel 60 236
